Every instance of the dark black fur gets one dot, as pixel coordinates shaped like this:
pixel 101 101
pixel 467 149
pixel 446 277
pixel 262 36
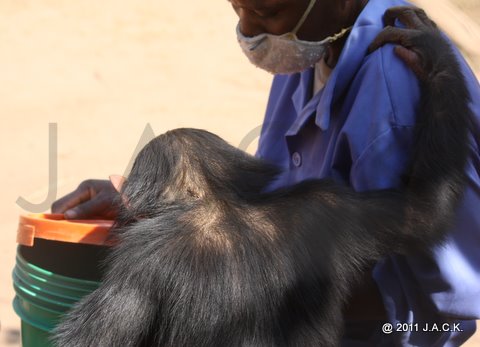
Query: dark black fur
pixel 206 259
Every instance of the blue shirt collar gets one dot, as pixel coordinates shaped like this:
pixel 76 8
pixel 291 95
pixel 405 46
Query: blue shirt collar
pixel 364 31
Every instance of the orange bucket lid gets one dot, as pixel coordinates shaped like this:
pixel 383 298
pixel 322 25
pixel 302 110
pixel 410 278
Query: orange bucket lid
pixel 56 228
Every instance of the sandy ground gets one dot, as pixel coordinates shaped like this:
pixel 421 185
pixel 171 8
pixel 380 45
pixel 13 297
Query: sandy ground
pixel 103 71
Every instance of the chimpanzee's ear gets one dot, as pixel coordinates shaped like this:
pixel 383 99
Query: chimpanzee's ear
pixel 117 181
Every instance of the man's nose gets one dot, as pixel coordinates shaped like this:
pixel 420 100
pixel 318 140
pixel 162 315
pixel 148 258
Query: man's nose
pixel 249 26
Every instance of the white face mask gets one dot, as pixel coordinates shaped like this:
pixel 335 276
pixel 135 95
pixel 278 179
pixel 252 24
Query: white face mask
pixel 285 54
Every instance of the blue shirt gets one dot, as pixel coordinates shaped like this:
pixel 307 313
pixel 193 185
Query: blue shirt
pixel 359 131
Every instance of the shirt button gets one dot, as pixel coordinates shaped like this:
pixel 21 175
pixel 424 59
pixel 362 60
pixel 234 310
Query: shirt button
pixel 297 159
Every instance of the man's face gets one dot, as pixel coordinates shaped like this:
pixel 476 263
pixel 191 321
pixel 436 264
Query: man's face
pixel 280 16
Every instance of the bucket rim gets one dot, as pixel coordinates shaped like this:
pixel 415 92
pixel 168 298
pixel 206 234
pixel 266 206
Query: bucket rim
pixel 55 227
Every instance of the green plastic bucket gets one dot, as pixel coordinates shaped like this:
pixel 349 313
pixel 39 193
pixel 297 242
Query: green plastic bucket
pixel 51 275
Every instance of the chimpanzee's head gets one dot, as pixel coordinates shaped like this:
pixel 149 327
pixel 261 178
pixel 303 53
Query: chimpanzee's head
pixel 189 165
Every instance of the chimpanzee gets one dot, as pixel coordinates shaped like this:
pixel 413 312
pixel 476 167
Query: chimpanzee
pixel 206 256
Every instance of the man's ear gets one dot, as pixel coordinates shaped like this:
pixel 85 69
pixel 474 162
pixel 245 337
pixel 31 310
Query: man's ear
pixel 117 182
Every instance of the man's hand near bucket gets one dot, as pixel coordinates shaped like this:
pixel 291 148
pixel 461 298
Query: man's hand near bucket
pixel 93 199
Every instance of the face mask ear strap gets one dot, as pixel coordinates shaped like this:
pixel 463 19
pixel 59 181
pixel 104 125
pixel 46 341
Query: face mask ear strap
pixel 304 17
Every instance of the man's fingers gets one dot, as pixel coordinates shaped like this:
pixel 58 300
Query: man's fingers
pixel 72 199
pixel 92 198
pixel 91 208
pixel 390 35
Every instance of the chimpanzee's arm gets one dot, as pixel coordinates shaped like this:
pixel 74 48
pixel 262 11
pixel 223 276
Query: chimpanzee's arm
pixel 120 311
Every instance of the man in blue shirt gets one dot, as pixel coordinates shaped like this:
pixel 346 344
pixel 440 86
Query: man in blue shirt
pixel 357 128
pixel 350 117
